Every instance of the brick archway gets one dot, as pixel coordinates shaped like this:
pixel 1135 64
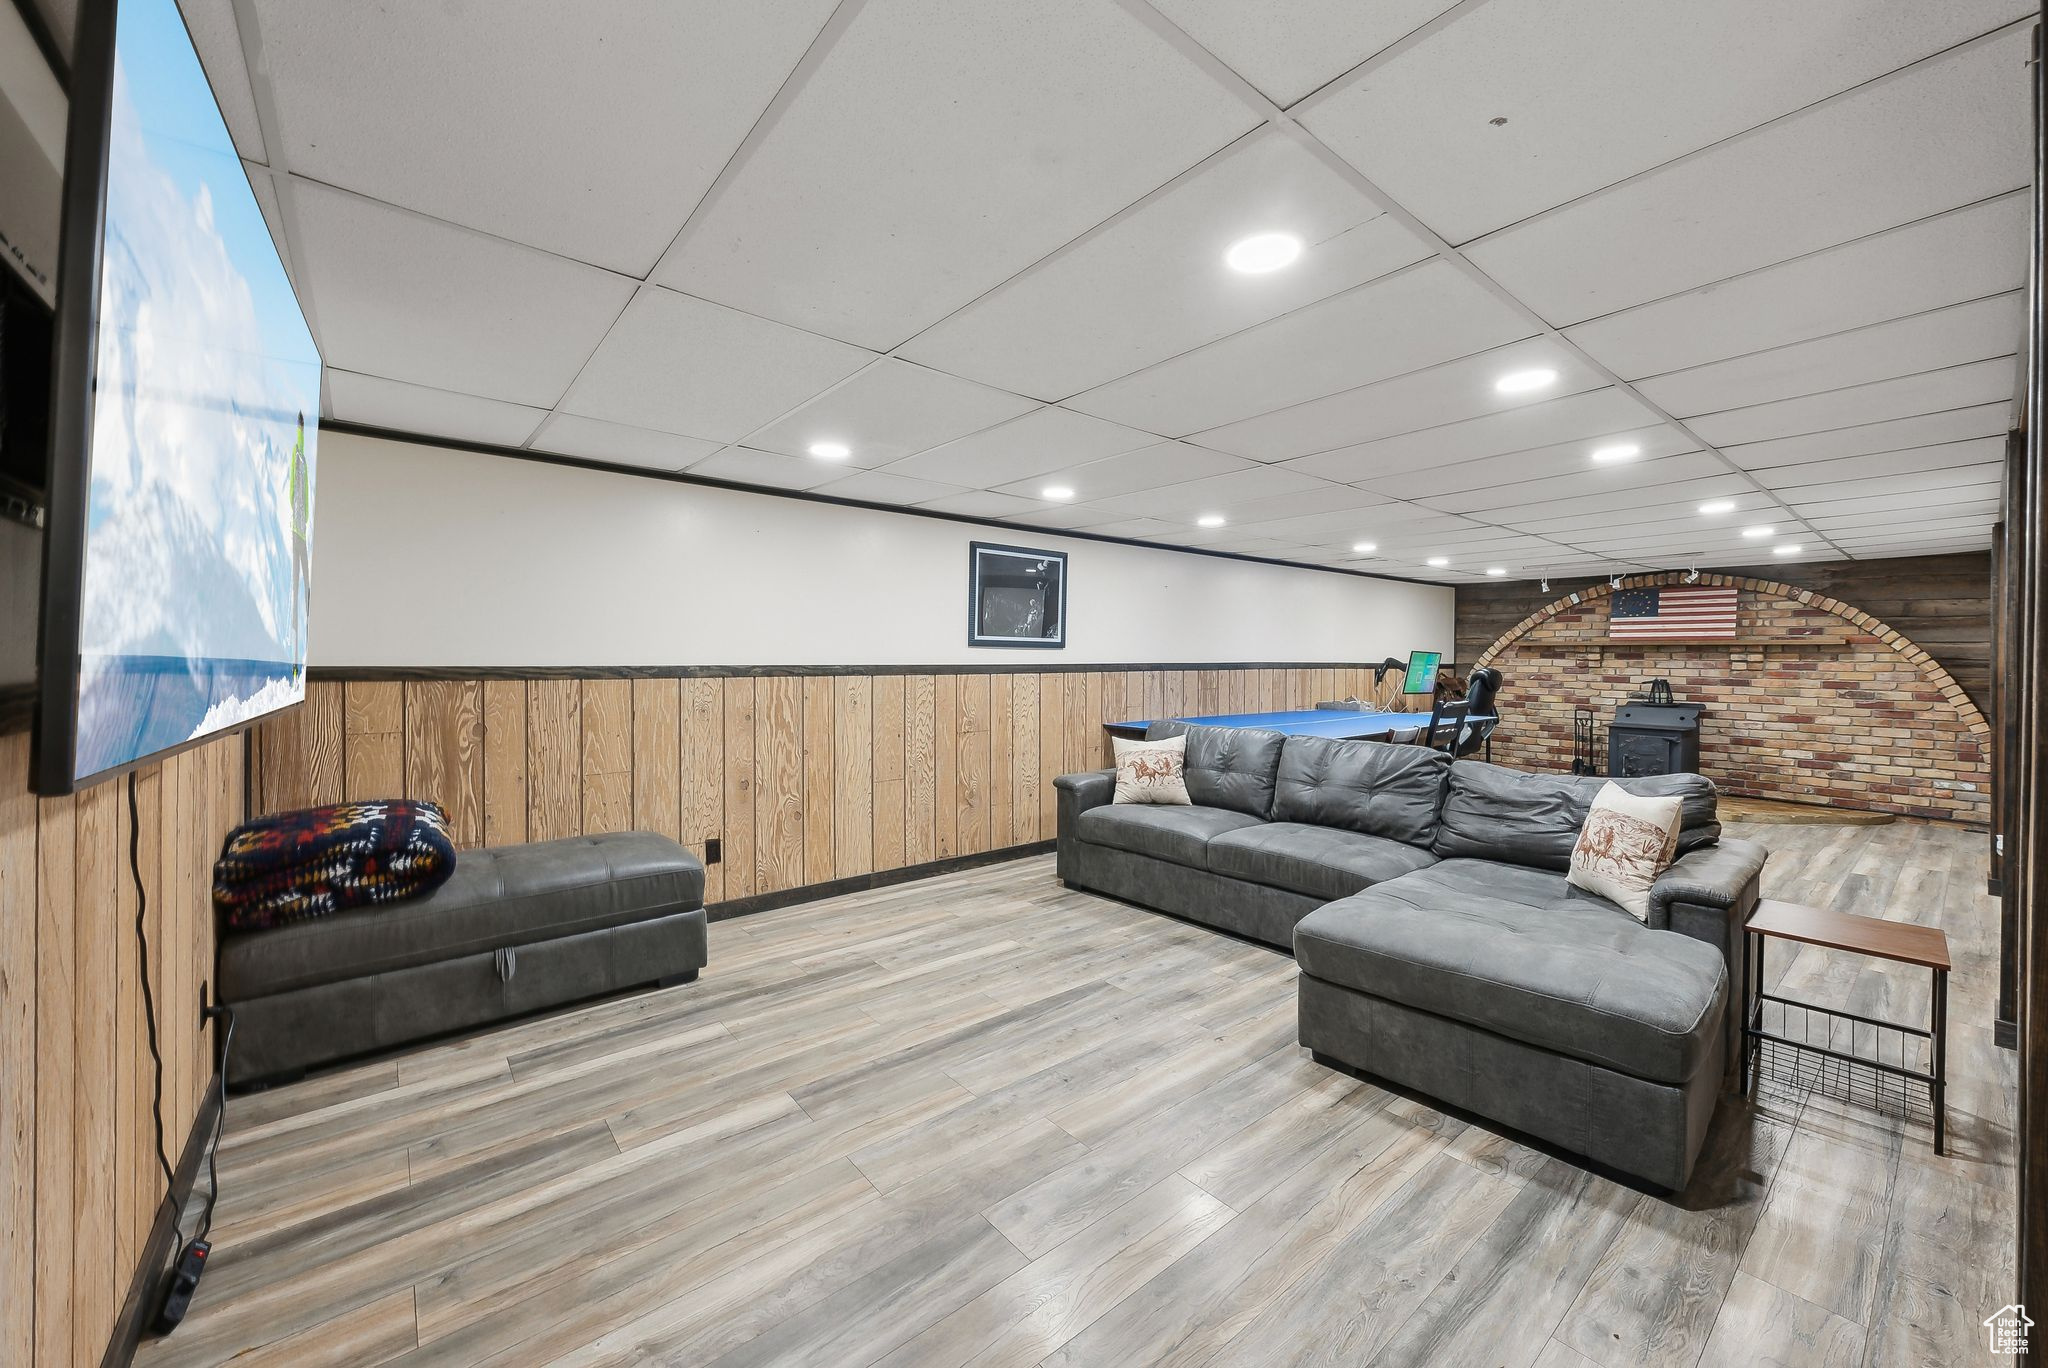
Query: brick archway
pixel 1973 716
pixel 1817 702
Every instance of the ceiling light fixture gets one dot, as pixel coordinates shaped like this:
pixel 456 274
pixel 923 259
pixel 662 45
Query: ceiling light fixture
pixel 1620 451
pixel 1057 493
pixel 830 451
pixel 1365 548
pixel 1759 533
pixel 1787 549
pixel 1496 570
pixel 1525 381
pixel 1716 507
pixel 1437 562
pixel 1210 520
pixel 1263 252
pixel 1546 584
pixel 1614 581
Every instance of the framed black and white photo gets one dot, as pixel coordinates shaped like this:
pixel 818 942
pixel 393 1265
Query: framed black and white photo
pixel 1016 596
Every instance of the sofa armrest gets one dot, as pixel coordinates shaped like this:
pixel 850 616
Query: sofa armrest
pixel 1708 894
pixel 1723 877
pixel 1079 792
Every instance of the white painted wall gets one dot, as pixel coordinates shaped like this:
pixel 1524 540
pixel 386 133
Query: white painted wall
pixel 426 556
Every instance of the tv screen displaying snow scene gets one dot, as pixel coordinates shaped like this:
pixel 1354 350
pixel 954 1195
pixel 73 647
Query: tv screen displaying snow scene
pixel 194 576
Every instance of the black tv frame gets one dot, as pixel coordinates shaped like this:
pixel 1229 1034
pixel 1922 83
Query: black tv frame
pixel 74 361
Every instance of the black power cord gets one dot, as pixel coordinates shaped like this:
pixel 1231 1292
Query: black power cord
pixel 191 1260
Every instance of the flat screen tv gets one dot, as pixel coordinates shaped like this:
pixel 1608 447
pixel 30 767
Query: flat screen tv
pixel 1422 671
pixel 183 425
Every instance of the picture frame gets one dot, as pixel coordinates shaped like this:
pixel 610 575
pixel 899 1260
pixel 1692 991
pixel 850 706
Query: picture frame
pixel 1016 597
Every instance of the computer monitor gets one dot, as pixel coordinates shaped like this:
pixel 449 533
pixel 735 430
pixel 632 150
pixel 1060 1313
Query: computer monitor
pixel 1422 672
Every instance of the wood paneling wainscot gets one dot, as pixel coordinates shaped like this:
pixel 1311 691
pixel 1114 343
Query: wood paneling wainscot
pixel 79 1181
pixel 805 778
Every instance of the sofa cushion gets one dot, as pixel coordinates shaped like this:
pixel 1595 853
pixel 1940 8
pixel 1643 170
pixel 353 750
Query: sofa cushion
pixel 1179 834
pixel 1494 813
pixel 1317 861
pixel 1228 767
pixel 1363 786
pixel 1574 974
pixel 500 897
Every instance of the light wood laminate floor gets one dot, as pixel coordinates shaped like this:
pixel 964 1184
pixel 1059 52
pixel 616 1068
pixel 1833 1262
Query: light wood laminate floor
pixel 985 1120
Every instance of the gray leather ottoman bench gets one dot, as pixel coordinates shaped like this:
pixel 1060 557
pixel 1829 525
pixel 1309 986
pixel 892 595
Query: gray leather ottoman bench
pixel 516 929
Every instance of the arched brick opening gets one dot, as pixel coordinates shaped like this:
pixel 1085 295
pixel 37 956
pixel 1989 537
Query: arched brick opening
pixel 1861 717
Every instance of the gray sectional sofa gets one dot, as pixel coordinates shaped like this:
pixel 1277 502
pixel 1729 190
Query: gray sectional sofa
pixel 1440 945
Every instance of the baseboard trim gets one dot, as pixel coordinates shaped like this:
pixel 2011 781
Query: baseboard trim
pixel 863 883
pixel 139 1306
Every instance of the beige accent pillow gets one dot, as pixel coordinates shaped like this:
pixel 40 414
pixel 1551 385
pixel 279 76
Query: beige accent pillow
pixel 1152 771
pixel 1626 842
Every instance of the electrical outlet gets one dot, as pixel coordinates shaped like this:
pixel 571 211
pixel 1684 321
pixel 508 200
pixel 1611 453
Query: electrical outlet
pixel 714 851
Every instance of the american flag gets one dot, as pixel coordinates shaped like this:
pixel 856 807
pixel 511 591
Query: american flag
pixel 1665 614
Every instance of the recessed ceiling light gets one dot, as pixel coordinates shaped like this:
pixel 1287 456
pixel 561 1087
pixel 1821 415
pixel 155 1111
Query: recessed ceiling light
pixel 1496 570
pixel 1263 252
pixel 1759 533
pixel 831 451
pixel 1437 562
pixel 1525 381
pixel 1716 507
pixel 1210 520
pixel 1620 451
pixel 1787 549
pixel 1057 493
pixel 1365 548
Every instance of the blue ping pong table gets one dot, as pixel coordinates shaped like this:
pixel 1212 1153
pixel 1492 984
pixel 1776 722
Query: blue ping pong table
pixel 1313 722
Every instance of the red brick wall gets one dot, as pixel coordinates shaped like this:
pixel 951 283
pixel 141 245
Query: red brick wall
pixel 1856 717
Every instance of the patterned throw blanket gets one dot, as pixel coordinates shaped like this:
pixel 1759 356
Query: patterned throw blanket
pixel 295 866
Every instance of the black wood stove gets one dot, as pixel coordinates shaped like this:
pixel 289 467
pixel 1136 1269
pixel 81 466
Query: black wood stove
pixel 1661 737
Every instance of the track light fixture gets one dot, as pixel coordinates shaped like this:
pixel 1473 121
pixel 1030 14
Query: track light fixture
pixel 1614 581
pixel 1692 576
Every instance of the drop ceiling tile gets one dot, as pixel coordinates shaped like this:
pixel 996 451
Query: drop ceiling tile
pixel 1934 482
pixel 1042 440
pixel 1502 498
pixel 1676 517
pixel 1164 463
pixel 1225 494
pixel 1961 333
pixel 1957 387
pixel 218 41
pixel 1430 397
pixel 1140 527
pixel 1948 455
pixel 1566 458
pixel 1821 177
pixel 768 469
pixel 1062 516
pixel 1931 429
pixel 1920 503
pixel 1946 259
pixel 876 487
pixel 1416 318
pixel 590 131
pixel 1319 40
pixel 397 294
pixel 1380 522
pixel 1579 417
pixel 1538 516
pixel 890 410
pixel 1508 111
pixel 568 435
pixel 689 366
pixel 978 503
pixel 378 402
pixel 1153 284
pixel 1868 524
pixel 937 150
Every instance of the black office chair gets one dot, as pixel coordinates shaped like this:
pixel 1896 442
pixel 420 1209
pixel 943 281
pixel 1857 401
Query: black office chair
pixel 1446 723
pixel 1482 688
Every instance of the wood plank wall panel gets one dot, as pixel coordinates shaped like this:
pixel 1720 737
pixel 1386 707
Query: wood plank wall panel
pixel 79 1185
pixel 1943 603
pixel 803 779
